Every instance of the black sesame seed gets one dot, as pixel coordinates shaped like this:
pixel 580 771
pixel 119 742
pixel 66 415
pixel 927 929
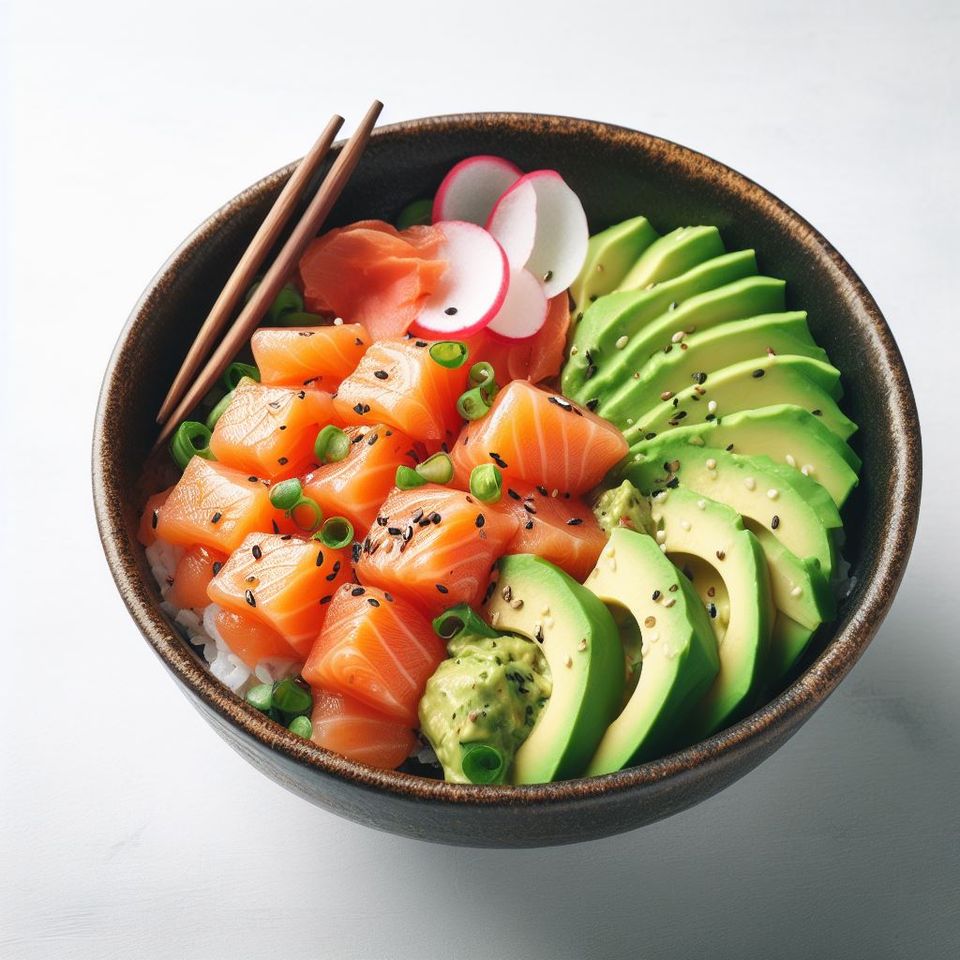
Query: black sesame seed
pixel 435 517
pixel 574 522
pixel 357 592
pixel 154 519
pixel 417 515
pixel 712 610
pixel 775 522
pixel 287 536
pixel 253 479
pixel 319 558
pixel 250 598
pixel 656 594
pixel 282 426
pixel 451 311
pixel 491 586
pixel 420 343
pixel 528 525
pixel 541 489
pixel 275 525
pixel 217 567
pixel 394 531
pixel 373 601
pixel 757 374
pixel 325 599
pixel 442 588
pixel 481 520
pixel 302 395
pixel 673 483
pixel 388 597
pixel 513 494
pixel 358 408
pixel 649 436
pixel 381 374
pixel 817 413
pixel 593 403
pixel 366 408
pixel 407 533
pixel 216 517
pixel 372 439
pixel 590 371
pixel 355 550
pixel 256 551
pixel 282 461
pixel 529 507
pixel 710 417
pixel 728 447
pixel 548 276
pixel 498 460
pixel 700 377
pixel 721 555
pixel 332 575
pixel 357 341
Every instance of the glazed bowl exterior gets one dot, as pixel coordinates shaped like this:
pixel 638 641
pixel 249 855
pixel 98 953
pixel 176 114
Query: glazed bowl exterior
pixel 617 173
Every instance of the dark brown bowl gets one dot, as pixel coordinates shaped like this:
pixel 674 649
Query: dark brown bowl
pixel 618 173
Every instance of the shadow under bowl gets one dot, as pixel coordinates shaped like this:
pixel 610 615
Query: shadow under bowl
pixel 617 173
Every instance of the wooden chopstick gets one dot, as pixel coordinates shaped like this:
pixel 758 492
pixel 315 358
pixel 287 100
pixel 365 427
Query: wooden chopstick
pixel 279 270
pixel 249 264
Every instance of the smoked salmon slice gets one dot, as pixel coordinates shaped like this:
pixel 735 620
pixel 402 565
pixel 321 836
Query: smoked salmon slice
pixel 561 529
pixel 377 648
pixel 215 506
pixel 539 436
pixel 538 358
pixel 356 486
pixel 434 546
pixel 398 383
pixel 284 582
pixel 197 567
pixel 150 518
pixel 251 639
pixel 358 732
pixel 300 356
pixel 269 431
pixel 372 273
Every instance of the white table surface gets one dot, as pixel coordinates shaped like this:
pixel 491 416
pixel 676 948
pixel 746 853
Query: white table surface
pixel 124 125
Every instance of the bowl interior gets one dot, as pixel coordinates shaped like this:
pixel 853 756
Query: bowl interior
pixel 617 173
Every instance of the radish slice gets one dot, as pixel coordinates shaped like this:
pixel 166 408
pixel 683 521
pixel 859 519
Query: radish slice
pixel 562 234
pixel 473 285
pixel 513 222
pixel 524 311
pixel 471 188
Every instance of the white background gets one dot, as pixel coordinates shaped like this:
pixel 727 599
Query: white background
pixel 127 829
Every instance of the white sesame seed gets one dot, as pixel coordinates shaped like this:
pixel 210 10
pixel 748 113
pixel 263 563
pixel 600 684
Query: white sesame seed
pixel 568 663
pixel 661 536
pixel 574 350
pixel 807 469
pixel 791 460
pixel 338 321
pixel 685 524
pixel 773 493
pixel 696 441
pixel 663 547
pixel 750 483
pixel 669 602
pixel 702 504
pixel 711 406
pixel 677 337
pixel 711 463
pixel 796 591
pixel 622 342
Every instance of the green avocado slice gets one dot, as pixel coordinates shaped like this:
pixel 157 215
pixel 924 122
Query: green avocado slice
pixel 801 381
pixel 579 639
pixel 620 315
pixel 694 525
pixel 744 298
pixel 672 255
pixel 787 644
pixel 788 435
pixel 678 652
pixel 610 255
pixel 753 486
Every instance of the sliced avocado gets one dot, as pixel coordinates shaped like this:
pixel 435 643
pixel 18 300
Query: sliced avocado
pixel 615 375
pixel 787 644
pixel 710 588
pixel 812 491
pixel 678 654
pixel 610 255
pixel 788 435
pixel 798 587
pixel 622 314
pixel 579 639
pixel 800 381
pixel 753 486
pixel 672 255
pixel 698 526
pixel 718 347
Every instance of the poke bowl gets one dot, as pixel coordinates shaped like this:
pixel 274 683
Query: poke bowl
pixel 689 501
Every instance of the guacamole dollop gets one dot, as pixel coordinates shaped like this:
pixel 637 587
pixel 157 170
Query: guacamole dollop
pixel 491 691
pixel 623 506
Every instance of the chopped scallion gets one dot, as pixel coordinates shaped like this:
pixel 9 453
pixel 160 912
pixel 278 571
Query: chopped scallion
pixel 449 353
pixel 335 533
pixel 482 763
pixel 461 619
pixel 486 483
pixel 473 404
pixel 286 494
pixel 291 698
pixel 332 445
pixel 191 438
pixel 261 696
pixel 481 373
pixel 436 469
pixel 407 478
pixel 217 412
pixel 302 727
pixel 237 371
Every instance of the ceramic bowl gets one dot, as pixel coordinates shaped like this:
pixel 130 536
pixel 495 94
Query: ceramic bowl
pixel 617 173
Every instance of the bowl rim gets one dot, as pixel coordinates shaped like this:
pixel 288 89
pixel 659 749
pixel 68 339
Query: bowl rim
pixel 777 718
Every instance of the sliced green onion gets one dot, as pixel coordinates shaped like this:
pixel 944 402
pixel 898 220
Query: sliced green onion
pixel 481 373
pixel 237 371
pixel 302 727
pixel 261 696
pixel 287 301
pixel 332 445
pixel 482 763
pixel 335 533
pixel 461 619
pixel 449 353
pixel 299 319
pixel 473 404
pixel 315 509
pixel 415 214
pixel 190 438
pixel 291 698
pixel 287 494
pixel 217 412
pixel 486 483
pixel 436 469
pixel 408 478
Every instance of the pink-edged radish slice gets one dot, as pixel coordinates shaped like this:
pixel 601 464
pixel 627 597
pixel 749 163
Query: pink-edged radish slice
pixel 471 188
pixel 513 221
pixel 473 286
pixel 560 245
pixel 524 311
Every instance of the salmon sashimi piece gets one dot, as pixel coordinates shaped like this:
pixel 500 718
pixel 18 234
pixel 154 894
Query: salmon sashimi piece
pixel 541 437
pixel 251 639
pixel 215 506
pixel 377 648
pixel 284 582
pixel 150 518
pixel 197 567
pixel 398 383
pixel 356 486
pixel 372 273
pixel 561 529
pixel 349 727
pixel 301 356
pixel 434 546
pixel 538 358
pixel 269 431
